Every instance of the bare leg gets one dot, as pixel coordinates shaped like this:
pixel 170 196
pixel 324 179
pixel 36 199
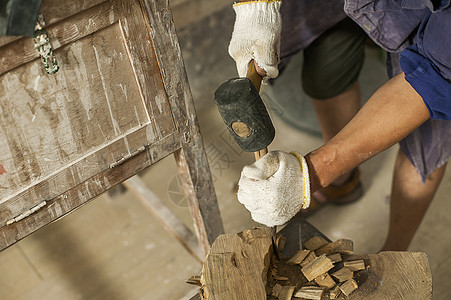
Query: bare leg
pixel 334 113
pixel 409 202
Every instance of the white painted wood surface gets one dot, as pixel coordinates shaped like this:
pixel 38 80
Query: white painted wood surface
pixel 105 115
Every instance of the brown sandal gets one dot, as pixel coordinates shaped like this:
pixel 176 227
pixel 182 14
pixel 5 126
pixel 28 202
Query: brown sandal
pixel 346 193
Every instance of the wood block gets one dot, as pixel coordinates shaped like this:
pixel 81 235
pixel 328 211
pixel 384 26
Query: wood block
pixel 342 246
pixel 334 293
pixel 348 287
pixel 194 280
pixel 355 265
pixel 298 257
pixel 281 278
pixel 228 274
pixel 311 256
pixel 310 292
pixel 336 257
pixel 276 290
pixel 315 242
pixel 325 281
pixel 317 267
pixel 343 274
pixel 286 292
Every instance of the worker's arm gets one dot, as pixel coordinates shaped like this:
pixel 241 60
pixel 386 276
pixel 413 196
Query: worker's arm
pixel 276 187
pixel 390 114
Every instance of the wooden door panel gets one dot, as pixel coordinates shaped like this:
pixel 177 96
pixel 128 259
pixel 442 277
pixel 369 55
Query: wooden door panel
pixel 73 130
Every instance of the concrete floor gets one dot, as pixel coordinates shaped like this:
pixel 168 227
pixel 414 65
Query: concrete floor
pixel 112 249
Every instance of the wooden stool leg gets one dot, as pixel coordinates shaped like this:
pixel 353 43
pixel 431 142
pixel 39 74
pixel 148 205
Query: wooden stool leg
pixel 198 186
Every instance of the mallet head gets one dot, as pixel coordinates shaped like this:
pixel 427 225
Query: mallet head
pixel 245 114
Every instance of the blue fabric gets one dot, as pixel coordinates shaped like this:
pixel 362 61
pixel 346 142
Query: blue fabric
pixel 435 5
pixel 427 81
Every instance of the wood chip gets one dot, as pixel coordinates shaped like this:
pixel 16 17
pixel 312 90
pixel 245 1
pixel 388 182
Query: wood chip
pixel 336 257
pixel 311 256
pixel 355 265
pixel 286 293
pixel 315 243
pixel 334 293
pixel 310 292
pixel 325 281
pixel 317 267
pixel 342 246
pixel 276 290
pixel 298 257
pixel 281 278
pixel 343 274
pixel 194 280
pixel 348 287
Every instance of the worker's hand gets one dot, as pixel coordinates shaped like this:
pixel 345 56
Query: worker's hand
pixel 275 187
pixel 256 35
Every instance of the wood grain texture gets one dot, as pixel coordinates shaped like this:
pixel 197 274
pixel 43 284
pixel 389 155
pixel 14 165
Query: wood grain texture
pixel 48 121
pixel 85 191
pixel 62 133
pixel 394 275
pixel 237 266
pixel 191 158
pixel 55 11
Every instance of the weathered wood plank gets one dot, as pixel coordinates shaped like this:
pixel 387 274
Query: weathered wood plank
pixel 146 69
pixel 86 190
pixel 69 30
pixel 49 137
pixel 191 159
pixel 56 10
pixel 48 121
pixel 237 266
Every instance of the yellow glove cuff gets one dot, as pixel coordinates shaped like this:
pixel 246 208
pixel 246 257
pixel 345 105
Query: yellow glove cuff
pixel 305 178
pixel 247 2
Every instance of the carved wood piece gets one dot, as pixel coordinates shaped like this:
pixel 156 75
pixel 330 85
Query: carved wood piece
pixel 286 293
pixel 311 256
pixel 342 246
pixel 335 292
pixel 317 267
pixel 310 292
pixel 343 274
pixel 348 287
pixel 336 257
pixel 325 281
pixel 355 265
pixel 298 257
pixel 227 274
pixel 315 242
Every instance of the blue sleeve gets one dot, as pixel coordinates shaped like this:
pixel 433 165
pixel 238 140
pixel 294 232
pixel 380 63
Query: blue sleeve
pixel 428 82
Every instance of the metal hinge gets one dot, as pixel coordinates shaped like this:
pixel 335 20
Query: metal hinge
pixel 128 156
pixel 27 213
pixel 45 49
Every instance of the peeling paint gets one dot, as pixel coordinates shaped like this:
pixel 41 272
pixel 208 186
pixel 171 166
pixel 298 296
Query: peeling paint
pixel 2 170
pixel 160 99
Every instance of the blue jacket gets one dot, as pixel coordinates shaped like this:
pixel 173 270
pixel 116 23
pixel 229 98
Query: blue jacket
pixel 418 30
pixel 421 31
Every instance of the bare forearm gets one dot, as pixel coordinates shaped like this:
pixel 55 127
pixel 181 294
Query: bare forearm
pixel 391 114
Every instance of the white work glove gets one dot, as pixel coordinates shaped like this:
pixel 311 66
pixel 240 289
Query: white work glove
pixel 256 35
pixel 275 188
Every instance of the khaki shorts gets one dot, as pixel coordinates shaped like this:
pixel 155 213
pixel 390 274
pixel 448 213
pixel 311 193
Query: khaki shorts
pixel 332 63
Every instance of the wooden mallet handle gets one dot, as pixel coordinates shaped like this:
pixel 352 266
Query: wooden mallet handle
pixel 256 80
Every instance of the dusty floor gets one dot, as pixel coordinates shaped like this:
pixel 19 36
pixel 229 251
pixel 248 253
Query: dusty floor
pixel 112 249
